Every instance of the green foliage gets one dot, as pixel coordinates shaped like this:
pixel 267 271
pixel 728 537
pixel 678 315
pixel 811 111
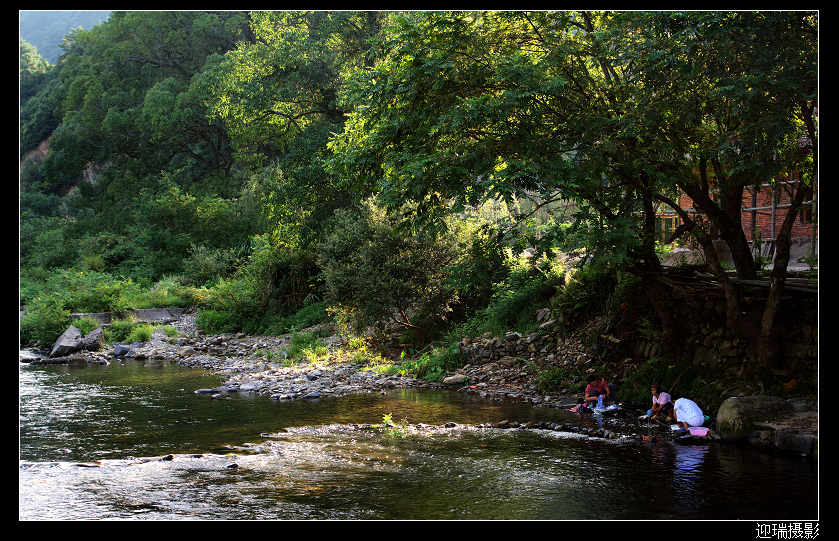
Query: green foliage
pixel 515 299
pixel 86 324
pixel 51 249
pixel 306 346
pixel 392 429
pixel 307 316
pixel 433 365
pixel 44 321
pixel 50 298
pixel 212 321
pixel 118 330
pixel 126 330
pixel 554 379
pixel 377 273
pixel 588 292
pixel 33 68
pixel 205 264
pixel 140 333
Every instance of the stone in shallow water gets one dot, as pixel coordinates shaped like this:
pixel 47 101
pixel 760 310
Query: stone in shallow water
pixel 455 379
pixel 69 341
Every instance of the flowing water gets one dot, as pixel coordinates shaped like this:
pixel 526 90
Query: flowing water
pixel 92 439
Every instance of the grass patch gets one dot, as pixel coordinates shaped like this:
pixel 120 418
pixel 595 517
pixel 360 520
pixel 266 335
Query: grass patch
pixel 554 379
pixel 216 321
pixel 433 365
pixel 128 331
pixel 306 346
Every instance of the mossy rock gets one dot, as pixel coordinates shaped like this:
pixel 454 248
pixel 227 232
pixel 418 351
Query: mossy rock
pixel 737 415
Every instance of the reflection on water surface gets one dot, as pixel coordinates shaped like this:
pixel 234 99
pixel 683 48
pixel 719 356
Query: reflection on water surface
pixel 305 460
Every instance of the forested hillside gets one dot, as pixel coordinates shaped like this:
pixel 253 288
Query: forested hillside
pixel 45 30
pixel 416 172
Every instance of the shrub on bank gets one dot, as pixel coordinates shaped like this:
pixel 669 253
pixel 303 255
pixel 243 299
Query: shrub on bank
pixel 86 324
pixel 683 380
pixel 140 333
pixel 44 321
pixel 375 273
pixel 212 321
pixel 118 331
pixel 515 299
pixel 51 298
pixel 433 365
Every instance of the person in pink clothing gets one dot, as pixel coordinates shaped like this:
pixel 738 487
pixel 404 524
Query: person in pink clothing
pixel 662 404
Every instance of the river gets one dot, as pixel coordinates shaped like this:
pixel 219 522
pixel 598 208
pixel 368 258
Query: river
pixel 133 441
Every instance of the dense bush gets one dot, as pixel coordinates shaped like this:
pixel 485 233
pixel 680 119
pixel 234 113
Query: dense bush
pixel 375 273
pixel 433 365
pixel 44 321
pixel 216 321
pixel 516 298
pixel 219 321
pixel 118 330
pixel 86 324
pixel 587 292
pixel 51 297
pixel 206 264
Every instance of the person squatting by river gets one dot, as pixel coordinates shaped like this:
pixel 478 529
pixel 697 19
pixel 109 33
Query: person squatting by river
pixel 688 413
pixel 597 387
pixel 662 404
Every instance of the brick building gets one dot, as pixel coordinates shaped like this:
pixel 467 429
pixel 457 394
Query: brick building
pixel 763 213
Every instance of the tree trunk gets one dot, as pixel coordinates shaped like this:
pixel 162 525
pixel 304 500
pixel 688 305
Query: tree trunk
pixel 732 294
pixel 768 347
pixel 730 228
pixel 659 294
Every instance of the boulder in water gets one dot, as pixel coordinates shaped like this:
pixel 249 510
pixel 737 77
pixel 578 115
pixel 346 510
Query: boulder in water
pixel 70 341
pixel 737 416
pixel 93 340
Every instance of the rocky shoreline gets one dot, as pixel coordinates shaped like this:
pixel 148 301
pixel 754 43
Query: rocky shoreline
pixel 493 374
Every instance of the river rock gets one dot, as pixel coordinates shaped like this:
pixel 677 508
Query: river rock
pixel 93 340
pixel 69 342
pixel 454 379
pixel 794 442
pixel 737 416
pixel 121 349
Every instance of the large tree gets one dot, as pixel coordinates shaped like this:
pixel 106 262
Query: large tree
pixel 463 107
pixel 277 96
pixel 731 104
pixel 616 111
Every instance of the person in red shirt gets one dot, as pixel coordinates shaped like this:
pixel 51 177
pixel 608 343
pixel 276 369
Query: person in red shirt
pixel 596 387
